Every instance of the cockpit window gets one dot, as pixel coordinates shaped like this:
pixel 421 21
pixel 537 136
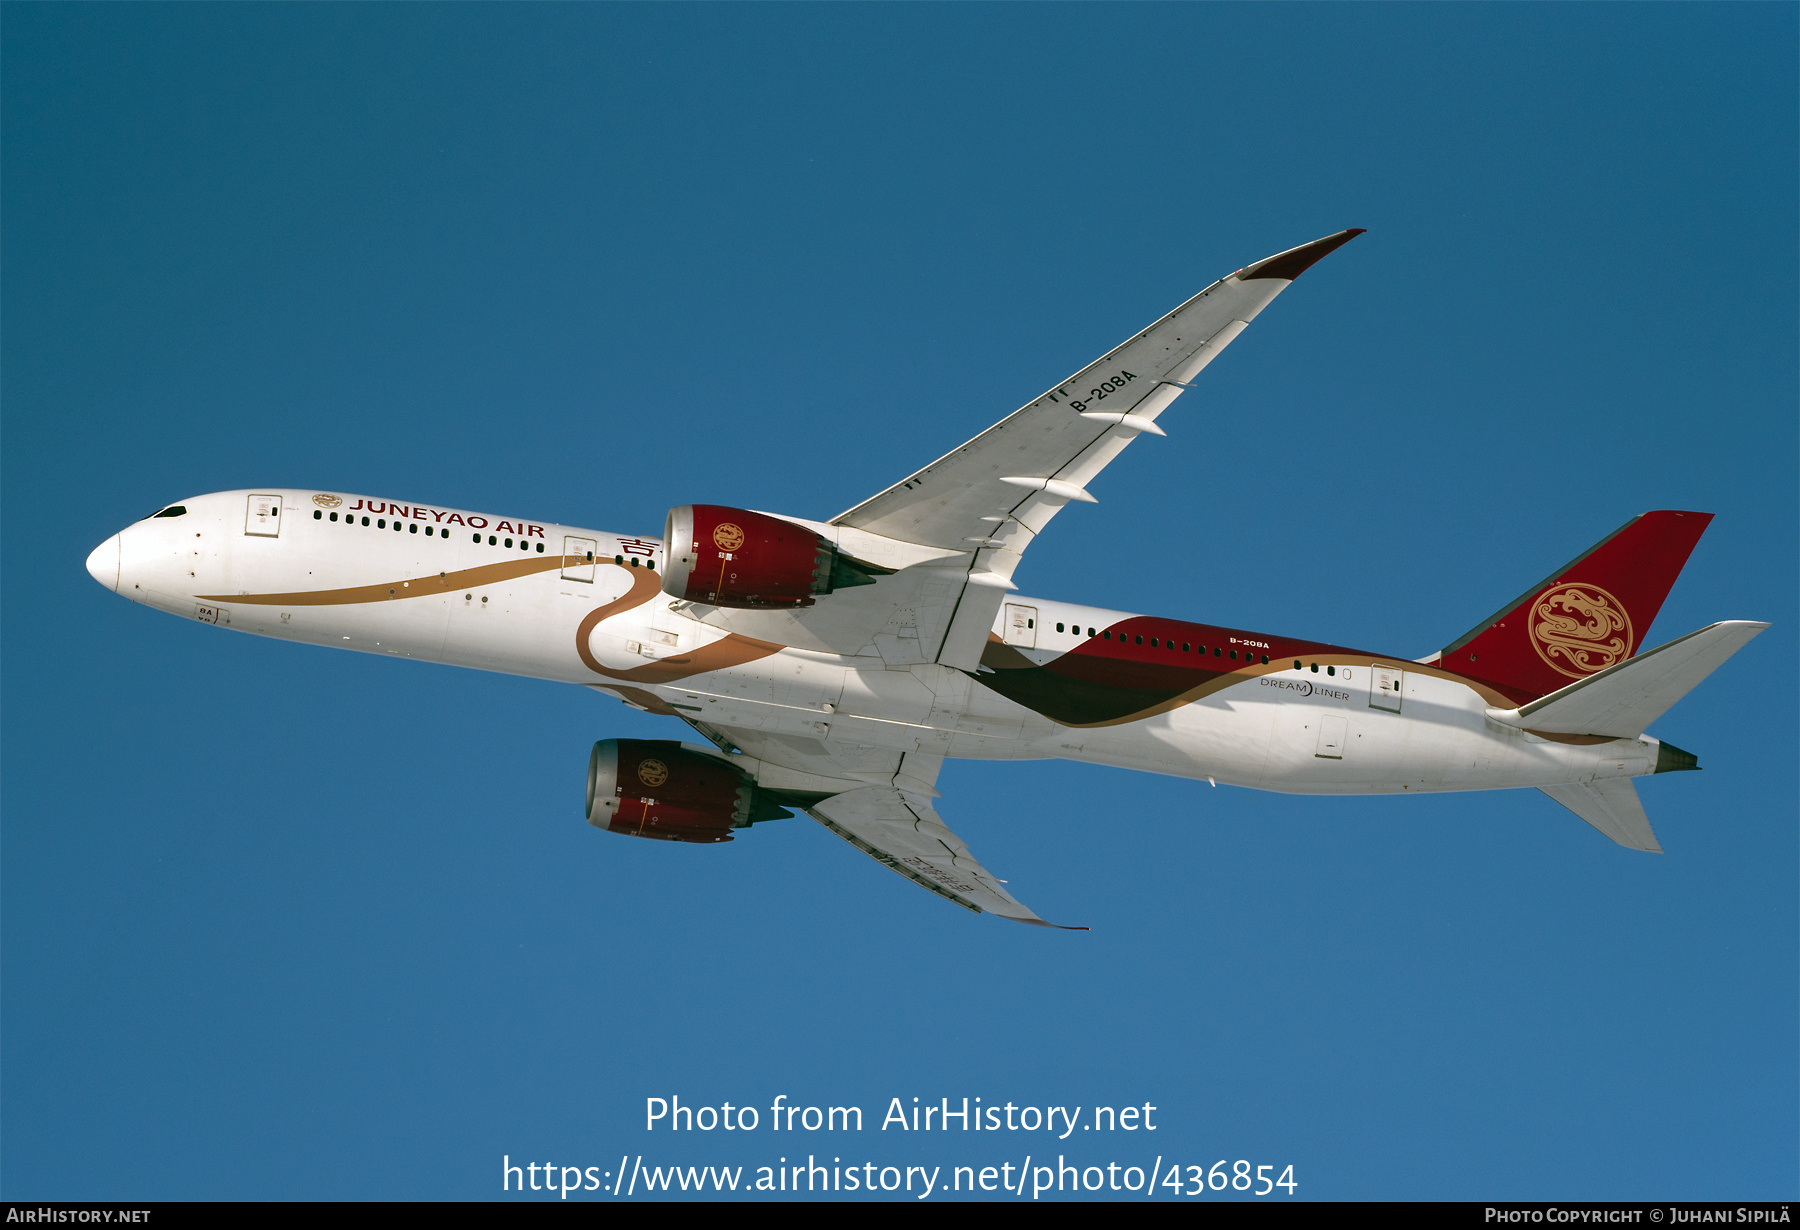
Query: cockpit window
pixel 173 510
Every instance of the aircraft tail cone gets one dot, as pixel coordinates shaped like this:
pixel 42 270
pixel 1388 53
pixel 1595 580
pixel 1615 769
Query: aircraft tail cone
pixel 1671 759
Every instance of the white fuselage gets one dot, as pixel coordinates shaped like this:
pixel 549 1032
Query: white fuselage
pixel 442 585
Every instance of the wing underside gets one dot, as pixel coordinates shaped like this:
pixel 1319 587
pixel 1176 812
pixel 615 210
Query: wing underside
pixel 903 833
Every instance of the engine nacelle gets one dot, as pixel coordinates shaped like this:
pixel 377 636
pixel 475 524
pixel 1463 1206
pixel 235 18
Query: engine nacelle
pixel 671 791
pixel 751 561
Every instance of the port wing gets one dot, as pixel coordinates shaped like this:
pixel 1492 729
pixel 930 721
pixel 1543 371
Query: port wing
pixel 989 498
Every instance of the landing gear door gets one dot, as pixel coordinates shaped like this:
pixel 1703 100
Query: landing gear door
pixel 578 559
pixel 1384 687
pixel 263 518
pixel 1021 626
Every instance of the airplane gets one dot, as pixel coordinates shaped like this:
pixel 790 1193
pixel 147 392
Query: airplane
pixel 833 666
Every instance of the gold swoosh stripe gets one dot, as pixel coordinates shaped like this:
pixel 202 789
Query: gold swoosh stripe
pixel 1247 673
pixel 414 587
pixel 733 650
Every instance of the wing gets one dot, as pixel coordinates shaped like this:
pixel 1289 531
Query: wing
pixel 999 490
pixel 991 497
pixel 890 818
pixel 900 831
pixel 954 532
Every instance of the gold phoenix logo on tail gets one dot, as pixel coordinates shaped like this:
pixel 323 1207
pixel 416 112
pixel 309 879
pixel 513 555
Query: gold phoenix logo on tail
pixel 1579 629
pixel 728 536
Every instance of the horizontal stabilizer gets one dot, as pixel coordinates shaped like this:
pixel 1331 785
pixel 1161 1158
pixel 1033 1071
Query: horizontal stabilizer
pixel 1612 806
pixel 1620 701
pixel 905 835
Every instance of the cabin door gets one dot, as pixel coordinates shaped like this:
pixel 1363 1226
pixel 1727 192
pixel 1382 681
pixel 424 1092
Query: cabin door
pixel 1021 626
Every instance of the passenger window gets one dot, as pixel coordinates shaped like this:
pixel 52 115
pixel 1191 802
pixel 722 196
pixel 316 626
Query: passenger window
pixel 1234 655
pixel 1138 640
pixel 1107 635
pixel 1265 659
pixel 1184 647
pixel 1217 651
pixel 334 516
pixel 381 523
pixel 1331 670
pixel 365 520
pixel 509 544
pixel 1315 668
pixel 491 540
pixel 413 528
pixel 1296 663
pixel 317 515
pixel 540 548
pixel 1153 642
pixel 478 540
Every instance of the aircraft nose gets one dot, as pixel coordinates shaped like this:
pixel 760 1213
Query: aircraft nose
pixel 103 563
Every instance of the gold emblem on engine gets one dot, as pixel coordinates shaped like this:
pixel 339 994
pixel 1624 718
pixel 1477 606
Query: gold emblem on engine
pixel 727 536
pixel 1579 629
pixel 653 772
pixel 327 501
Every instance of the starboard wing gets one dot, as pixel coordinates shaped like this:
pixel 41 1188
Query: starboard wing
pixel 900 831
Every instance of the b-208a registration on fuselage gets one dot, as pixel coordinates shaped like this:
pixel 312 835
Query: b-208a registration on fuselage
pixel 830 667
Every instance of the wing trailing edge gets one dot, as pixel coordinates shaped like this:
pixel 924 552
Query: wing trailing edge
pixel 901 832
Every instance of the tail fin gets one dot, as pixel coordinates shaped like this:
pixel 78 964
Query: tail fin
pixel 1590 614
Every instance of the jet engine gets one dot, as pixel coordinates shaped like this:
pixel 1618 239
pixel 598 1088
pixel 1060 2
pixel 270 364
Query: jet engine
pixel 734 558
pixel 671 791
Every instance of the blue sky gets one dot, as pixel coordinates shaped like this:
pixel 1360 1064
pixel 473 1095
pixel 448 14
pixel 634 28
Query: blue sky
pixel 286 923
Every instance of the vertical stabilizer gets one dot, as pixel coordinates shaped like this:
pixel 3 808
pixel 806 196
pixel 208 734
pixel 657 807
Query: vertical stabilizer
pixel 1590 614
pixel 1612 806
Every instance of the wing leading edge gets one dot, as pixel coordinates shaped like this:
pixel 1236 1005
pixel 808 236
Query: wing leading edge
pixel 1024 468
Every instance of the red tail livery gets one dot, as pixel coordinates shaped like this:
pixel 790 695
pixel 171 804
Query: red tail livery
pixel 1592 613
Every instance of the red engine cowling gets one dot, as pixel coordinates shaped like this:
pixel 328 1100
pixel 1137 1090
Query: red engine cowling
pixel 668 790
pixel 734 558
